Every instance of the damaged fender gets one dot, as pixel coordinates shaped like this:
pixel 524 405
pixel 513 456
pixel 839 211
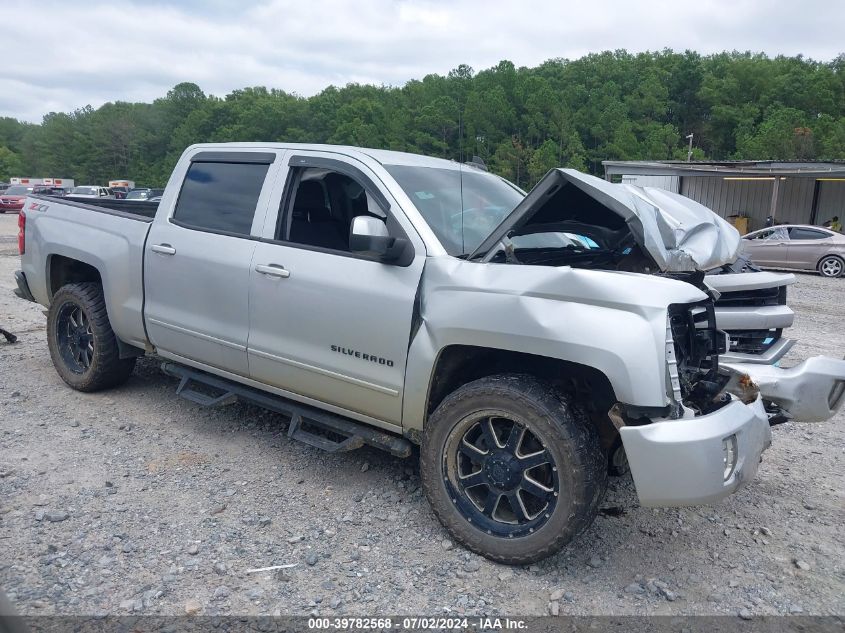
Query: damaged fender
pixel 812 391
pixel 614 322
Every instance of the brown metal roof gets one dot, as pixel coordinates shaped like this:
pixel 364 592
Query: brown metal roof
pixel 804 169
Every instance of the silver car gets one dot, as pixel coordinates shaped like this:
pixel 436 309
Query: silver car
pixel 797 247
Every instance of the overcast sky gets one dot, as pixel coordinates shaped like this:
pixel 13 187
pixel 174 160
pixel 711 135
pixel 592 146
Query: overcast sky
pixel 58 56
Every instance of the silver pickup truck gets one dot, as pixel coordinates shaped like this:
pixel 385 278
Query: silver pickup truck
pixel 527 344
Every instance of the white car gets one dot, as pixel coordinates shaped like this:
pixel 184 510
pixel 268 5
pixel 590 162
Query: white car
pixel 91 191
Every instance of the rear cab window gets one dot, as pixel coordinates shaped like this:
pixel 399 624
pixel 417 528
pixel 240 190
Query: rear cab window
pixel 220 197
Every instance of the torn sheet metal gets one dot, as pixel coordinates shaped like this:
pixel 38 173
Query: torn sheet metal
pixel 678 233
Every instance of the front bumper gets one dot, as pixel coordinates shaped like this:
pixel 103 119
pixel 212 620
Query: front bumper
pixel 23 290
pixel 682 462
pixel 812 391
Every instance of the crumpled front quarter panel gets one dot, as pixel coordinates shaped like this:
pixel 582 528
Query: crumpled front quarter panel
pixel 611 321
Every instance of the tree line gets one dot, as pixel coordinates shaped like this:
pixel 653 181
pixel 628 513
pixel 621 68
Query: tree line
pixel 520 121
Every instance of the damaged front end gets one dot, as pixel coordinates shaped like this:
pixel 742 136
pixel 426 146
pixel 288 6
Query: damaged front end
pixel 693 348
pixel 709 439
pixel 712 442
pixel 720 422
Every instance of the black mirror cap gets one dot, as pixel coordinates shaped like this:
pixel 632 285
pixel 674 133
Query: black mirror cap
pixel 384 249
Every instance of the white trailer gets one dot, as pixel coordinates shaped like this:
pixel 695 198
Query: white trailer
pixel 53 182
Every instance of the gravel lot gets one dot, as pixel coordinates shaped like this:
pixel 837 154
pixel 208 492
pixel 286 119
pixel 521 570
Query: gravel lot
pixel 135 500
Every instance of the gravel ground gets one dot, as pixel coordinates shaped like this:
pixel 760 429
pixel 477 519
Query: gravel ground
pixel 135 500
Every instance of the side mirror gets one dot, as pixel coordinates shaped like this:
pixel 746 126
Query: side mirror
pixel 369 236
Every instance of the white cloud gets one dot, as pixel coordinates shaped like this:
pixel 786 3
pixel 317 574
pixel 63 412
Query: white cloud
pixel 65 55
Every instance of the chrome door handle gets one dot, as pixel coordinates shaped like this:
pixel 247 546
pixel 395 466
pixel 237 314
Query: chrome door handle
pixel 164 249
pixel 273 270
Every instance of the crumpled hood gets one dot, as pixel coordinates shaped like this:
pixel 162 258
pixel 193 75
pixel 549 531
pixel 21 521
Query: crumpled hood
pixel 678 233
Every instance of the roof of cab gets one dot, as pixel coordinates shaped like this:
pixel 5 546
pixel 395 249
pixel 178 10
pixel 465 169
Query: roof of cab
pixel 383 156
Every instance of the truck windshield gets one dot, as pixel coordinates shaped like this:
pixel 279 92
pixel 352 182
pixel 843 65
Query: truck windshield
pixel 84 191
pixel 462 206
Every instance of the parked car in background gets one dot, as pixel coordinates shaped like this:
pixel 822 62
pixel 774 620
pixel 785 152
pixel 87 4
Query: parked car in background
pixel 797 247
pixel 49 190
pixel 120 192
pixel 144 193
pixel 13 198
pixel 91 191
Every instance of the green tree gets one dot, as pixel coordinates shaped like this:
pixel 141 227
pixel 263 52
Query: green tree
pixel 542 160
pixel 10 163
pixel 521 121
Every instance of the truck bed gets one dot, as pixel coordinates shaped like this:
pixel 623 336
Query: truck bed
pixel 107 235
pixel 140 209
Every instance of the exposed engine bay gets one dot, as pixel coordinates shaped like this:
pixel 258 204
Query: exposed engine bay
pixel 574 229
pixel 572 219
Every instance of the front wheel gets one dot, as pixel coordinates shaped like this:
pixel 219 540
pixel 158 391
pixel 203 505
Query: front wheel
pixel 82 344
pixel 512 468
pixel 831 266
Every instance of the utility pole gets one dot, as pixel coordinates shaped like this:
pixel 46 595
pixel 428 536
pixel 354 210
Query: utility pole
pixel 689 151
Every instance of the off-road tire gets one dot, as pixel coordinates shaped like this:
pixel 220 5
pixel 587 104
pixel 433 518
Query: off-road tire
pixel 106 369
pixel 563 430
pixel 829 265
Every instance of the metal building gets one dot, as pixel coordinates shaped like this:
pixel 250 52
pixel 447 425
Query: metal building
pixel 792 192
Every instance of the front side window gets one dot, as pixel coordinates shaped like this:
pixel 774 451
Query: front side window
pixel 322 204
pixel 778 233
pixel 220 196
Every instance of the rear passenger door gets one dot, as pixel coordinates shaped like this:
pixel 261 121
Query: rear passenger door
pixel 198 253
pixel 807 246
pixel 327 324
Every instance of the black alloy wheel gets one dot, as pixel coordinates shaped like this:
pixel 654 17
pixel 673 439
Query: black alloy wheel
pixel 75 337
pixel 512 467
pixel 500 474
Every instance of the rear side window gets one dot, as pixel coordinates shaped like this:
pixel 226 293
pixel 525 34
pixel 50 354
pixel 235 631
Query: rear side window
pixel 220 197
pixel 798 233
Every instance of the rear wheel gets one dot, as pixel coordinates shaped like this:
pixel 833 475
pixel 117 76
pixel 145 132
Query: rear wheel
pixel 511 468
pixel 831 266
pixel 82 345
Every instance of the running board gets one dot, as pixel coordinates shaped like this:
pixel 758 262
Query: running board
pixel 312 426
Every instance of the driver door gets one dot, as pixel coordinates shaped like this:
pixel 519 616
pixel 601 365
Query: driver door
pixel 769 247
pixel 327 324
